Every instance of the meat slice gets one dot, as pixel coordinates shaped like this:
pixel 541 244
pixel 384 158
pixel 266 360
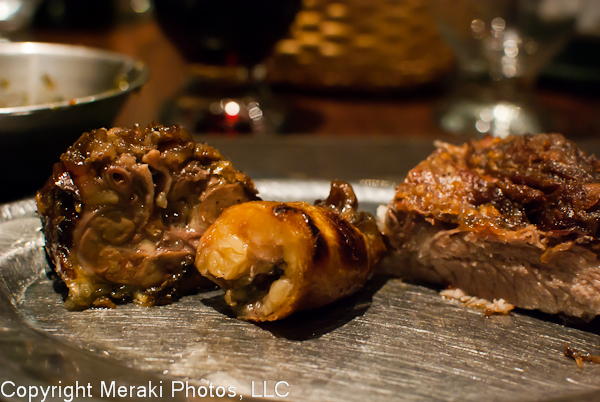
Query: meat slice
pixel 124 210
pixel 515 218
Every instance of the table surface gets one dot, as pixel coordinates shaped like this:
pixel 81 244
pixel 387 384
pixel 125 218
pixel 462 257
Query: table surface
pixel 397 115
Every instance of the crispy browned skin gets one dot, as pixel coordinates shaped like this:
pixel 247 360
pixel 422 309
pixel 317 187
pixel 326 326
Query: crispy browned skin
pixel 514 218
pixel 124 211
pixel 275 258
pixel 498 184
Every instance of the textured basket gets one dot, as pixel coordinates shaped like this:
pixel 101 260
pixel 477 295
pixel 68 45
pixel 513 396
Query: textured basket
pixel 368 45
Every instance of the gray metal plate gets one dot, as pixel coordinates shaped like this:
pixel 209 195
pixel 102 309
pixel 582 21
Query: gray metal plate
pixel 391 341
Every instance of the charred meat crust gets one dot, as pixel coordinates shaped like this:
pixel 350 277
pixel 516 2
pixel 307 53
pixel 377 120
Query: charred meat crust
pixel 501 218
pixel 124 210
pixel 58 218
pixel 541 180
pixel 349 242
pixel 320 249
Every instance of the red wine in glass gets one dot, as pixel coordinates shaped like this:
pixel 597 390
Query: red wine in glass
pixel 225 41
pixel 225 32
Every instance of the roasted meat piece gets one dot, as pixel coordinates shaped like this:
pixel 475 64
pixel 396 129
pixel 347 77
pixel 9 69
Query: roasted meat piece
pixel 515 218
pixel 124 210
pixel 275 258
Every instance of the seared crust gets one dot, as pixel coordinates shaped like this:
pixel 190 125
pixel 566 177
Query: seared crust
pixel 124 210
pixel 274 258
pixel 507 184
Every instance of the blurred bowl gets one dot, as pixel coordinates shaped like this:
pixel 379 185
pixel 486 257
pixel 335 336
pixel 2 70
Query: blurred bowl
pixel 49 95
pixel 50 86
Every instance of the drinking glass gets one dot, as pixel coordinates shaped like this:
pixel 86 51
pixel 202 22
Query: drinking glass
pixel 501 46
pixel 225 42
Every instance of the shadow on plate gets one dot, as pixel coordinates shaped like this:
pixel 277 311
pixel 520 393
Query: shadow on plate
pixel 591 326
pixel 314 323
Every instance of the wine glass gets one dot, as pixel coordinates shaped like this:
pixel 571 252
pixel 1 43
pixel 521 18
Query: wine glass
pixel 501 46
pixel 225 41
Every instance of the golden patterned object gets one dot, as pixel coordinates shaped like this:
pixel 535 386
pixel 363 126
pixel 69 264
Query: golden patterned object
pixel 361 44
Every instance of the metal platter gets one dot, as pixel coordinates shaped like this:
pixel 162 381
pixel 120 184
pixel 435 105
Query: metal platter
pixel 391 341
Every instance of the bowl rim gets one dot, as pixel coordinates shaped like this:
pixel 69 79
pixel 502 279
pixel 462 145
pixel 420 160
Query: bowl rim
pixel 130 65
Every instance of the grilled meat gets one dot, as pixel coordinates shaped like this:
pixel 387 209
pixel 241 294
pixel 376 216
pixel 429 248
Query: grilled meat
pixel 124 210
pixel 275 258
pixel 515 218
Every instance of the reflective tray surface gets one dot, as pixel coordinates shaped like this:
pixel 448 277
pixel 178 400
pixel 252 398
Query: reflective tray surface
pixel 391 341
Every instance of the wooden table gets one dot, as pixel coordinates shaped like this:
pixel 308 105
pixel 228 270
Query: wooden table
pixel 399 115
